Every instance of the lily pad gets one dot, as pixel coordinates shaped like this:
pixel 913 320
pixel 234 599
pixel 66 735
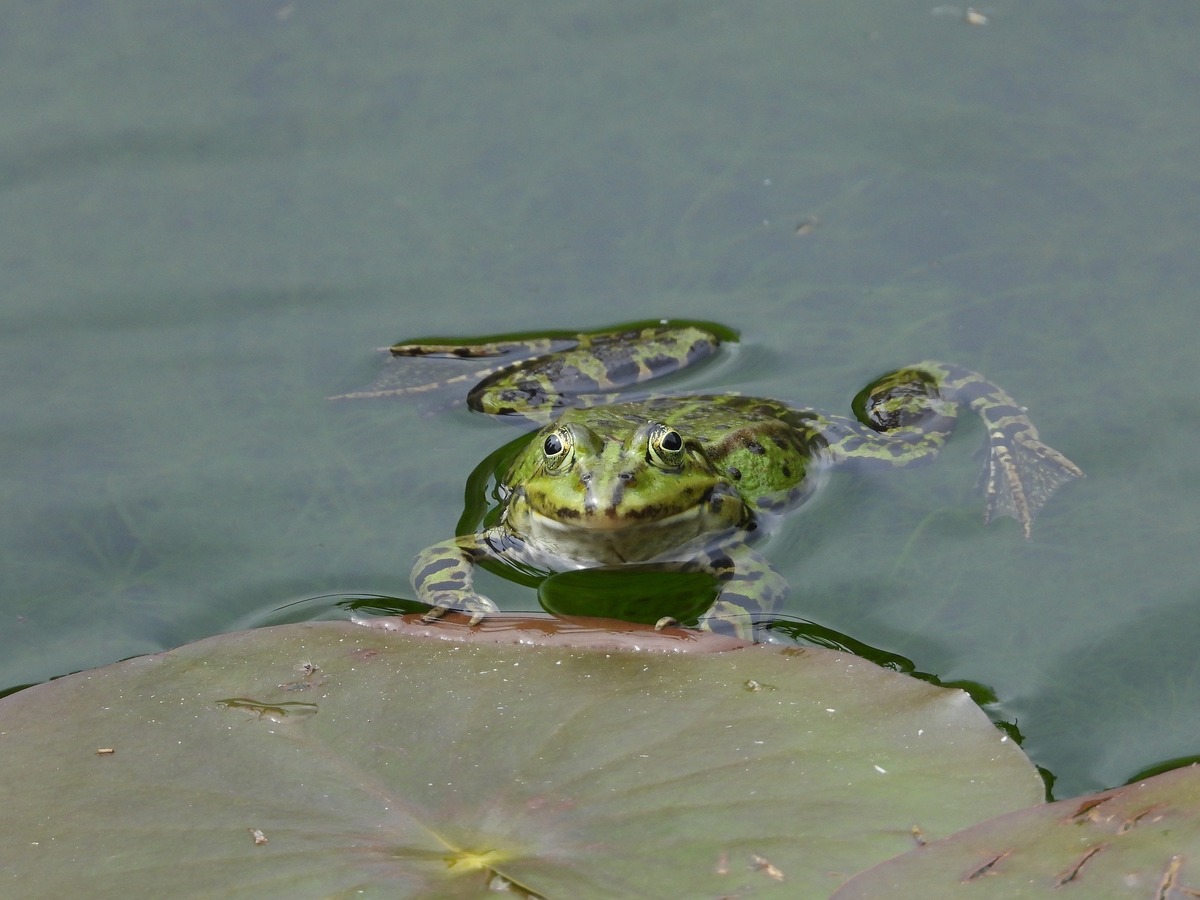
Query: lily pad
pixel 332 759
pixel 642 593
pixel 1141 840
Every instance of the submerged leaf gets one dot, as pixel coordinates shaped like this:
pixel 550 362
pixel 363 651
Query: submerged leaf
pixel 1141 840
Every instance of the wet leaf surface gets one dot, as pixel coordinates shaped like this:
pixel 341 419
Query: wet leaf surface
pixel 313 759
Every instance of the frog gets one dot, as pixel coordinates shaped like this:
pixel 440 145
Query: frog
pixel 688 480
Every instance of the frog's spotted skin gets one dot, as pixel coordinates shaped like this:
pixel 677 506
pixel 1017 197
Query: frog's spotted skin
pixel 539 375
pixel 685 480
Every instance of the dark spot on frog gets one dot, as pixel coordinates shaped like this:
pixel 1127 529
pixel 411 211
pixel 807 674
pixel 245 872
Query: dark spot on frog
pixel 439 566
pixel 646 513
pixel 576 382
pixel 755 447
pixel 625 372
pixel 699 350
pixel 735 473
pixel 522 394
pixel 661 364
pixel 457 583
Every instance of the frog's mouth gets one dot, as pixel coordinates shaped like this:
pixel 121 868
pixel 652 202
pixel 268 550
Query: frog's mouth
pixel 605 540
pixel 619 535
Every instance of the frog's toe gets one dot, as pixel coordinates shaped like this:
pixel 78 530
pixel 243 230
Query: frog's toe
pixel 1022 473
pixel 476 606
pixel 665 622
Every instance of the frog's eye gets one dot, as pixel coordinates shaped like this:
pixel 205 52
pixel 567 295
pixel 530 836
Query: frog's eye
pixel 666 447
pixel 557 448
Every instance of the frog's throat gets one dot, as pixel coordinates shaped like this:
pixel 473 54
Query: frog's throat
pixel 613 539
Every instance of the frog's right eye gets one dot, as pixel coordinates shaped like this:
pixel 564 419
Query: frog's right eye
pixel 558 448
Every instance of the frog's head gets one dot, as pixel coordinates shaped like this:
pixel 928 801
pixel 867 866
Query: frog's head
pixel 617 495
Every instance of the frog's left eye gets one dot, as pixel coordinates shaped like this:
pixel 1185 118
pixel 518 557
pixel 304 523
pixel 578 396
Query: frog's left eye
pixel 666 447
pixel 558 448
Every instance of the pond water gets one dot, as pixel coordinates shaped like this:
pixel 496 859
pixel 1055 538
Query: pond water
pixel 215 211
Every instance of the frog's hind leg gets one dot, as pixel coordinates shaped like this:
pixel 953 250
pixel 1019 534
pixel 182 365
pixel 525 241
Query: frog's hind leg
pixel 500 348
pixel 407 372
pixel 903 419
pixel 910 407
pixel 533 376
pixel 592 372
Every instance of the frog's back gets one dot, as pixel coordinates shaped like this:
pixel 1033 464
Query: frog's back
pixel 761 446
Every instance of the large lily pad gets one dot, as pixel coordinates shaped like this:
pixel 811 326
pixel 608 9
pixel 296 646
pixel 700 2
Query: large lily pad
pixel 1141 840
pixel 328 758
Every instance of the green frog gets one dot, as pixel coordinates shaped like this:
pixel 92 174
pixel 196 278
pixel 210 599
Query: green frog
pixel 686 480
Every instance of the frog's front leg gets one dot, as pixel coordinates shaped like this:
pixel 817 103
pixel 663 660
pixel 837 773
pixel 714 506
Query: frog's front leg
pixel 749 584
pixel 443 576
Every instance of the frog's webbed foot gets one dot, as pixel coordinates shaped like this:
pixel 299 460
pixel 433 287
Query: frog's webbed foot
pixel 723 617
pixel 1021 472
pixel 474 605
